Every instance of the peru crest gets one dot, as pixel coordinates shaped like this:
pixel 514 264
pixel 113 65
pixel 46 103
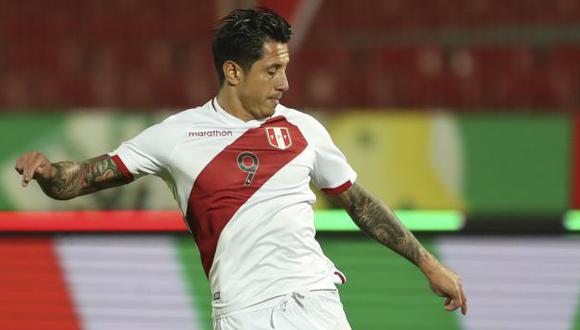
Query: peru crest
pixel 279 137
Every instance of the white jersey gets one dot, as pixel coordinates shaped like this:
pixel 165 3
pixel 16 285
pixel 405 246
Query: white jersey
pixel 243 189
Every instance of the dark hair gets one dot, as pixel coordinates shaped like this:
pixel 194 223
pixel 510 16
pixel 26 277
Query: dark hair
pixel 240 37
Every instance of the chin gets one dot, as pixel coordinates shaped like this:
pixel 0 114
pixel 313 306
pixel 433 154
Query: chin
pixel 269 111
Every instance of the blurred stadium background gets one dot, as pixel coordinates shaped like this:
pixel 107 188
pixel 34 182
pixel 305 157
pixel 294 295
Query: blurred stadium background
pixel 460 114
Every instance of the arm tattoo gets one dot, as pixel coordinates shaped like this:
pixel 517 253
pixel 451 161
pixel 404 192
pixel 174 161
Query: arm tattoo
pixel 79 178
pixel 381 223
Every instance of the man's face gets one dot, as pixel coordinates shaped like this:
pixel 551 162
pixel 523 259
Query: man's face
pixel 261 87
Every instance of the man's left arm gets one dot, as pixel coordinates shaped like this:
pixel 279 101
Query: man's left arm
pixel 381 223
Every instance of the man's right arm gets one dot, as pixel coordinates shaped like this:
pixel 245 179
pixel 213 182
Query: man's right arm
pixel 66 180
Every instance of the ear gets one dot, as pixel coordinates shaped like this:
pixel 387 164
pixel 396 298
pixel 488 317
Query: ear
pixel 232 73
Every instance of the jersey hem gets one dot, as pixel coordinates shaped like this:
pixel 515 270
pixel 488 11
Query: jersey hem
pixel 262 303
pixel 337 190
pixel 121 166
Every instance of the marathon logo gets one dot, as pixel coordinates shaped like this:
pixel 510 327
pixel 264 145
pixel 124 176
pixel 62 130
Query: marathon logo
pixel 214 133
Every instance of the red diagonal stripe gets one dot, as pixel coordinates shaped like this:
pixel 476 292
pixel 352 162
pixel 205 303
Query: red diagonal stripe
pixel 219 190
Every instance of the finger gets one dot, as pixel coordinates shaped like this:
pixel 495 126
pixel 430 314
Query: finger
pixel 30 163
pixel 20 162
pixel 450 305
pixel 29 173
pixel 456 300
pixel 459 295
pixel 25 181
pixel 22 166
pixel 18 165
pixel 453 305
pixel 464 306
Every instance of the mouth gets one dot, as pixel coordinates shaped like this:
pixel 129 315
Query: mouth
pixel 275 99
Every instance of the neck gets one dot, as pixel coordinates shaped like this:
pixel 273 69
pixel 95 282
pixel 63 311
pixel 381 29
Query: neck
pixel 228 99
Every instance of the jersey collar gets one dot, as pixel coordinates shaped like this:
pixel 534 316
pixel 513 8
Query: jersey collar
pixel 214 105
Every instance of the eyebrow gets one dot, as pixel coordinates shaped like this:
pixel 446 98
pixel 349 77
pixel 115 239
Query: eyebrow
pixel 274 65
pixel 277 65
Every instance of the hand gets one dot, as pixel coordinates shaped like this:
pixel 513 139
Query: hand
pixel 446 283
pixel 34 165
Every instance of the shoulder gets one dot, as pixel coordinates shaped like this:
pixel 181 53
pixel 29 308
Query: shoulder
pixel 181 122
pixel 170 130
pixel 195 115
pixel 313 131
pixel 307 124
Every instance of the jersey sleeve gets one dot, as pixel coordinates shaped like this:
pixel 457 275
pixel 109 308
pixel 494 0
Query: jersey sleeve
pixel 146 153
pixel 332 173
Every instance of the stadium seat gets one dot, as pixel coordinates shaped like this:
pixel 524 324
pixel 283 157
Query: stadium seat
pixel 320 78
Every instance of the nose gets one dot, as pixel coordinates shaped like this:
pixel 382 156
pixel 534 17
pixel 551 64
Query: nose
pixel 283 85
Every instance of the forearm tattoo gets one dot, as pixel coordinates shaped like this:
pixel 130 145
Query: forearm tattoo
pixel 79 178
pixel 381 223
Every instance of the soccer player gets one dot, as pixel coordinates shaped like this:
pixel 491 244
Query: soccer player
pixel 239 167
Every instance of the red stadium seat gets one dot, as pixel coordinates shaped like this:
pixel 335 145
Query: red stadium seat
pixel 565 57
pixel 350 56
pixel 389 74
pixel 320 78
pixel 504 72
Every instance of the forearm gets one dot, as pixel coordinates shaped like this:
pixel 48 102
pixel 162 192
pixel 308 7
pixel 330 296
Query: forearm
pixel 381 223
pixel 72 179
pixel 63 184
